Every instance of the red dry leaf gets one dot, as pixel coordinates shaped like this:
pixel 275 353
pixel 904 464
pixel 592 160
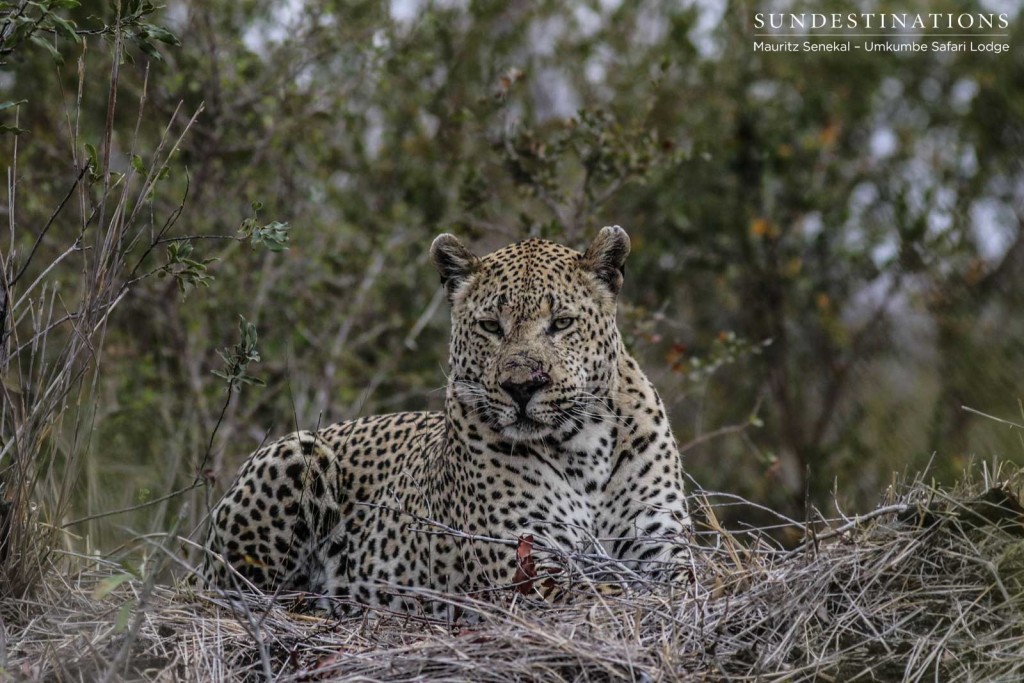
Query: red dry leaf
pixel 526 569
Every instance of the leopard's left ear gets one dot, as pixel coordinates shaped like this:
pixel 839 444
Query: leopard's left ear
pixel 606 256
pixel 453 261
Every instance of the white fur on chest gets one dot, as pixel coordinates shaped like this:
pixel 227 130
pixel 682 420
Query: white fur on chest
pixel 593 439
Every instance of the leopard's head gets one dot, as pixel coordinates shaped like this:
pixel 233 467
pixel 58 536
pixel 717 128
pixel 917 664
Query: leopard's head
pixel 534 342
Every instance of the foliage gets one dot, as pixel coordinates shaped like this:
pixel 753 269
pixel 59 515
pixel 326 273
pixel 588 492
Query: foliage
pixel 186 271
pixel 238 357
pixel 273 235
pixel 46 24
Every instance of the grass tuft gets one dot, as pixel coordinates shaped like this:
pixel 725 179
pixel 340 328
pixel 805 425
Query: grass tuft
pixel 930 586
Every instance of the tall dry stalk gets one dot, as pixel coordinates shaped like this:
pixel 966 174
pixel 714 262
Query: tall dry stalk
pixel 54 312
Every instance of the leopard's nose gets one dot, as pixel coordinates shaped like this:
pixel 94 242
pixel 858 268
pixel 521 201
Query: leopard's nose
pixel 522 392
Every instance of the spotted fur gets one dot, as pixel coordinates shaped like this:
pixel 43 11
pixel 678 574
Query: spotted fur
pixel 550 429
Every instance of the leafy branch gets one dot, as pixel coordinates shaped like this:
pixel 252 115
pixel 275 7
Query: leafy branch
pixel 37 22
pixel 238 357
pixel 726 349
pixel 187 271
pixel 273 236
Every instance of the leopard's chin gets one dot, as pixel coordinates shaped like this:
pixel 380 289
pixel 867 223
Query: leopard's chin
pixel 526 429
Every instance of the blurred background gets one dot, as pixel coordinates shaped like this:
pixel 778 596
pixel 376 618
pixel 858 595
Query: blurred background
pixel 827 265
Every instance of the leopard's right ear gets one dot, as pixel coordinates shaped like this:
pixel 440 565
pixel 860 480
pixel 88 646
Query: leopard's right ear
pixel 453 261
pixel 606 256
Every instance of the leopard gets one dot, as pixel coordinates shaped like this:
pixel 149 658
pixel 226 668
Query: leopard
pixel 553 447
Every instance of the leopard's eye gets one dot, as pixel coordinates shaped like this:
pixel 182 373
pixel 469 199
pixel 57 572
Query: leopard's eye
pixel 490 326
pixel 560 324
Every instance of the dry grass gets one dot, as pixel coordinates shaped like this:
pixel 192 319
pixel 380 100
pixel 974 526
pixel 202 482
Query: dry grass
pixel 928 587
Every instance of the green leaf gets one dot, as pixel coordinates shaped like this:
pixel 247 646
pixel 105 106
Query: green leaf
pixel 161 34
pixel 108 585
pixel 43 42
pixel 8 105
pixel 123 615
pixel 138 165
pixel 248 331
pixel 13 130
pixel 150 49
pixel 274 236
pixel 93 162
pixel 65 28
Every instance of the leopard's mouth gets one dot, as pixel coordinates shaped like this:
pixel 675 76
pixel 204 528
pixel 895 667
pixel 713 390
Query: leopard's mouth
pixel 524 421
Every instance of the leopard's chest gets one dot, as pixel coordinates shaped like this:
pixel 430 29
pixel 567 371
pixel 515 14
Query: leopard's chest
pixel 550 491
